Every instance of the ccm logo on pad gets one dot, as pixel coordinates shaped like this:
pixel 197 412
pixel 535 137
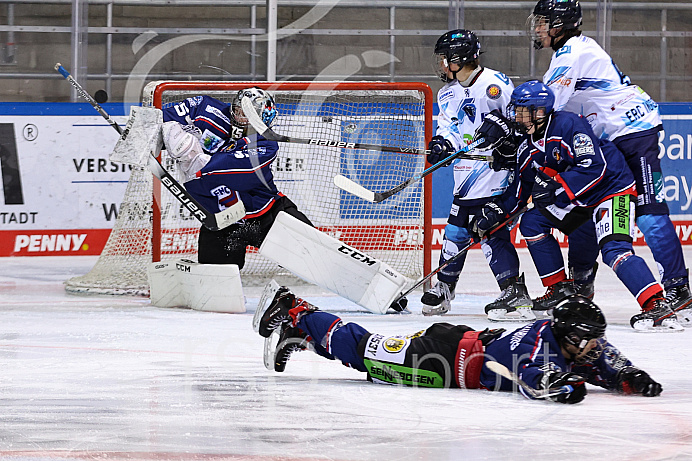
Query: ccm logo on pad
pixel 357 256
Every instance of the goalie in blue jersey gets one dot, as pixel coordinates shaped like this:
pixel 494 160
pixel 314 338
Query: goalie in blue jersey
pixel 553 358
pixel 224 161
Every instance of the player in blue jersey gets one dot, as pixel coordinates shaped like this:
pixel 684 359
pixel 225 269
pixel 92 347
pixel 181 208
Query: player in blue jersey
pixel 230 162
pixel 470 94
pixel 586 81
pixel 580 185
pixel 569 350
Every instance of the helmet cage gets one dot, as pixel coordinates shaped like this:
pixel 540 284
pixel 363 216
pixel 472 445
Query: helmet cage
pixel 262 102
pixel 553 14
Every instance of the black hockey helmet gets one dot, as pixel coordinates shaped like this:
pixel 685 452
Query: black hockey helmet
pixel 555 14
pixel 458 46
pixel 576 321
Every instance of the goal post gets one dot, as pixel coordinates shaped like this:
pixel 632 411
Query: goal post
pixel 151 226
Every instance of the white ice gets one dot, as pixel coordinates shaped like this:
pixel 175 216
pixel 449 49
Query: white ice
pixel 95 377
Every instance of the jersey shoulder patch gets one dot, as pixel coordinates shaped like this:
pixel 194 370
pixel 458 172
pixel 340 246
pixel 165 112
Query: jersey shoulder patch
pixel 582 145
pixel 493 91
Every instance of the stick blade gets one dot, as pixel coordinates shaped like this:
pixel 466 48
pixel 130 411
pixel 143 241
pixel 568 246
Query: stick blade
pixel 499 369
pixel 343 183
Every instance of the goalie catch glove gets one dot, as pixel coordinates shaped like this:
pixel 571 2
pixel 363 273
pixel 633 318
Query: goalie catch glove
pixel 556 379
pixel 440 148
pixel 489 217
pixel 544 190
pixel 494 129
pixel 632 380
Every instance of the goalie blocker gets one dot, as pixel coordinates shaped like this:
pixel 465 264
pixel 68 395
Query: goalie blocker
pixel 331 264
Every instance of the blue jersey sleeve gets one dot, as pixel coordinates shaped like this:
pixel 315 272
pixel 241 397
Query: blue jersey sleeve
pixel 211 116
pixel 603 371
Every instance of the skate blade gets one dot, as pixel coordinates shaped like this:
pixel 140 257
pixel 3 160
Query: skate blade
pixel 265 300
pixel 667 326
pixel 522 314
pixel 270 345
pixel 436 310
pixel 685 316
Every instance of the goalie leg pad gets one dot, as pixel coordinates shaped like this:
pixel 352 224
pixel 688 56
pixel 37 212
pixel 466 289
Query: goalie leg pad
pixel 331 264
pixel 140 138
pixel 203 287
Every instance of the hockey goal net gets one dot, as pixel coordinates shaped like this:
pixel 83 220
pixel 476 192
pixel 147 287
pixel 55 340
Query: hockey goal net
pixel 152 226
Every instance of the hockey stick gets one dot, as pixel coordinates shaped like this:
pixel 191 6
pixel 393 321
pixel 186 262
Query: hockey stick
pixel 212 221
pixel 464 250
pixel 342 182
pixel 503 371
pixel 268 133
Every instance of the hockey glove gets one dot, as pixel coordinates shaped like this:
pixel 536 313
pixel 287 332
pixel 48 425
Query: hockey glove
pixel 544 187
pixel 494 129
pixel 505 155
pixel 489 217
pixel 440 148
pixel 632 380
pixel 487 336
pixel 557 379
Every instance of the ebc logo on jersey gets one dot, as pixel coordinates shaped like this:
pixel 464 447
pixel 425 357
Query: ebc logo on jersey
pixel 493 91
pixel 394 345
pixel 582 145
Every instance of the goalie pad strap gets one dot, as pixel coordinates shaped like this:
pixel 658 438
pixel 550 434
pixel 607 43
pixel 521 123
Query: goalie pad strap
pixel 469 361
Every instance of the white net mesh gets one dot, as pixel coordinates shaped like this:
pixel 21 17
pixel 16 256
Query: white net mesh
pixel 391 231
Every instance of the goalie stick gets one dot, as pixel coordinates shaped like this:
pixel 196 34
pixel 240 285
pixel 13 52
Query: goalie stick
pixel 342 182
pixel 268 133
pixel 503 371
pixel 464 250
pixel 212 221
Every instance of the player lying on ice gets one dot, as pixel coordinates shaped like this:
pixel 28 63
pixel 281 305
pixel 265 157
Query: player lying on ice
pixel 554 358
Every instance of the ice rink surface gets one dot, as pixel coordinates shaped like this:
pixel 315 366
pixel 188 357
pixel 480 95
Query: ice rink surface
pixel 109 378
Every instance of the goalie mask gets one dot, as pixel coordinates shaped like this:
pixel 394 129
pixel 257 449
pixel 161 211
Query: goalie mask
pixel 564 15
pixel 529 107
pixel 261 100
pixel 455 47
pixel 579 323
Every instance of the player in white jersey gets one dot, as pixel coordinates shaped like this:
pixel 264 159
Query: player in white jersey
pixel 471 93
pixel 586 81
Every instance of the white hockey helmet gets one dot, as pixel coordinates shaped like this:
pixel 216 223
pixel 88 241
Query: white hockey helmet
pixel 261 100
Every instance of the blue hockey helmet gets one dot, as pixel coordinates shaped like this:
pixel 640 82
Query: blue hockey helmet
pixel 537 97
pixel 577 321
pixel 458 46
pixel 262 101
pixel 553 14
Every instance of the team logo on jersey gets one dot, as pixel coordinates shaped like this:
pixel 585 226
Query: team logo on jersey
pixel 469 109
pixel 210 141
pixel 394 345
pixel 582 145
pixel 493 91
pixel 556 154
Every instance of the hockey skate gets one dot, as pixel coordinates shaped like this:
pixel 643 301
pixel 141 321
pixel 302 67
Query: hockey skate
pixel 284 309
pixel 514 303
pixel 680 301
pixel 584 281
pixel 438 299
pixel 553 295
pixel 656 316
pixel 291 340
